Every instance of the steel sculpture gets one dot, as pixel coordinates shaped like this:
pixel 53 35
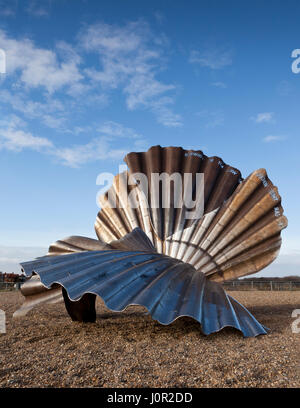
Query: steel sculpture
pixel 157 256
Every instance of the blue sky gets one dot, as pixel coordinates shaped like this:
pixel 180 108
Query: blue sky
pixel 87 81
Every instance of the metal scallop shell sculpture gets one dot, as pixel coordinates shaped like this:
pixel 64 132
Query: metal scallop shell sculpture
pixel 168 256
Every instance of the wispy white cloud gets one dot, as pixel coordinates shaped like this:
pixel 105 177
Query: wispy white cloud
pixel 219 84
pixel 214 57
pixel 264 117
pixel 284 88
pixel 38 8
pixel 97 149
pixel 44 85
pixel 55 88
pixel 8 7
pixel 15 139
pixel 34 8
pixel 39 67
pixel 159 17
pixel 143 90
pixel 112 142
pixel 165 115
pixel 273 138
pixel 131 58
pixel 212 119
pixel 115 129
pixel 51 112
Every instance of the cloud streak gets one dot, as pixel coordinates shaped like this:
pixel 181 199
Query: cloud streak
pixel 38 67
pixel 15 139
pixel 219 84
pixel 112 142
pixel 273 138
pixel 212 118
pixel 213 58
pixel 265 117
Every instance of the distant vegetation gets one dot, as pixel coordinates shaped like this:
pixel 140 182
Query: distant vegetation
pixel 11 277
pixel 292 278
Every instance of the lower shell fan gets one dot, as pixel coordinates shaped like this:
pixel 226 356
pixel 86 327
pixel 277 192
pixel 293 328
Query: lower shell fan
pixel 167 287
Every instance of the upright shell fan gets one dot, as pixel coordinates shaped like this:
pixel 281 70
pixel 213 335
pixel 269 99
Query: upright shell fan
pixel 167 257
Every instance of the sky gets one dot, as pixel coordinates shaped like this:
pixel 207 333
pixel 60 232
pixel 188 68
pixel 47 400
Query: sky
pixel 87 81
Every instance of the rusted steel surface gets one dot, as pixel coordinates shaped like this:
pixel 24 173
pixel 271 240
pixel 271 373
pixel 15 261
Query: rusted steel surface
pixel 76 244
pixel 220 180
pixel 238 234
pixel 157 257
